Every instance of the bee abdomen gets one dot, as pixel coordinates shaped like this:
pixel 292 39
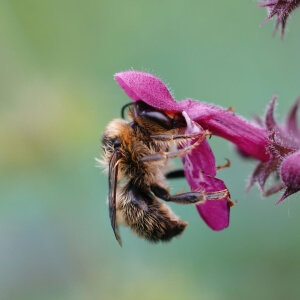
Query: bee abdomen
pixel 154 222
pixel 146 215
pixel 172 229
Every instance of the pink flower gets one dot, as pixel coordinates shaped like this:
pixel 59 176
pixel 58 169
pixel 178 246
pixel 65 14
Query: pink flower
pixel 199 164
pixel 281 8
pixel 284 147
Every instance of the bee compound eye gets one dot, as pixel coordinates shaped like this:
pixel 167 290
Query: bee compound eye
pixel 117 144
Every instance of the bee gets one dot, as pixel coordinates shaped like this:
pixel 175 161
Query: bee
pixel 136 153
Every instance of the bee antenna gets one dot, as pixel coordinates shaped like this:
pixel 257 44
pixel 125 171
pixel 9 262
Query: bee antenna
pixel 124 107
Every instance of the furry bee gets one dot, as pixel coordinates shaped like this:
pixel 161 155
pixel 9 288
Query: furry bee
pixel 136 154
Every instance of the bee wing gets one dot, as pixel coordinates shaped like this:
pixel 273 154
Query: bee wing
pixel 112 182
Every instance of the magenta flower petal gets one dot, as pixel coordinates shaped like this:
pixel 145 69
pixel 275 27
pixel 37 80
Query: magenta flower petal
pixel 215 213
pixel 200 169
pixel 148 88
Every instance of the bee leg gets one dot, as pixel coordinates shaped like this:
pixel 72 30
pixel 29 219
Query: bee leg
pixel 187 198
pixel 179 173
pixel 173 137
pixel 180 152
pixel 225 165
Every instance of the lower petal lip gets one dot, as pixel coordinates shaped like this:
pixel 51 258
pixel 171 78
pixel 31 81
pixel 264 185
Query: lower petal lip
pixel 215 213
pixel 200 169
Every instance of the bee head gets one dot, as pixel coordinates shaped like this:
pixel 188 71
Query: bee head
pixel 112 136
pixel 155 120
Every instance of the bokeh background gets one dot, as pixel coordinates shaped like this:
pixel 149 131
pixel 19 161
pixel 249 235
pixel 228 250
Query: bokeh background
pixel 57 94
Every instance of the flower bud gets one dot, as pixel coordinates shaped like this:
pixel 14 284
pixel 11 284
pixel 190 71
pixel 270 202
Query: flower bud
pixel 290 170
pixel 290 174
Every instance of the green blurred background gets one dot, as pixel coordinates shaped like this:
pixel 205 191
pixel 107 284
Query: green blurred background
pixel 57 94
